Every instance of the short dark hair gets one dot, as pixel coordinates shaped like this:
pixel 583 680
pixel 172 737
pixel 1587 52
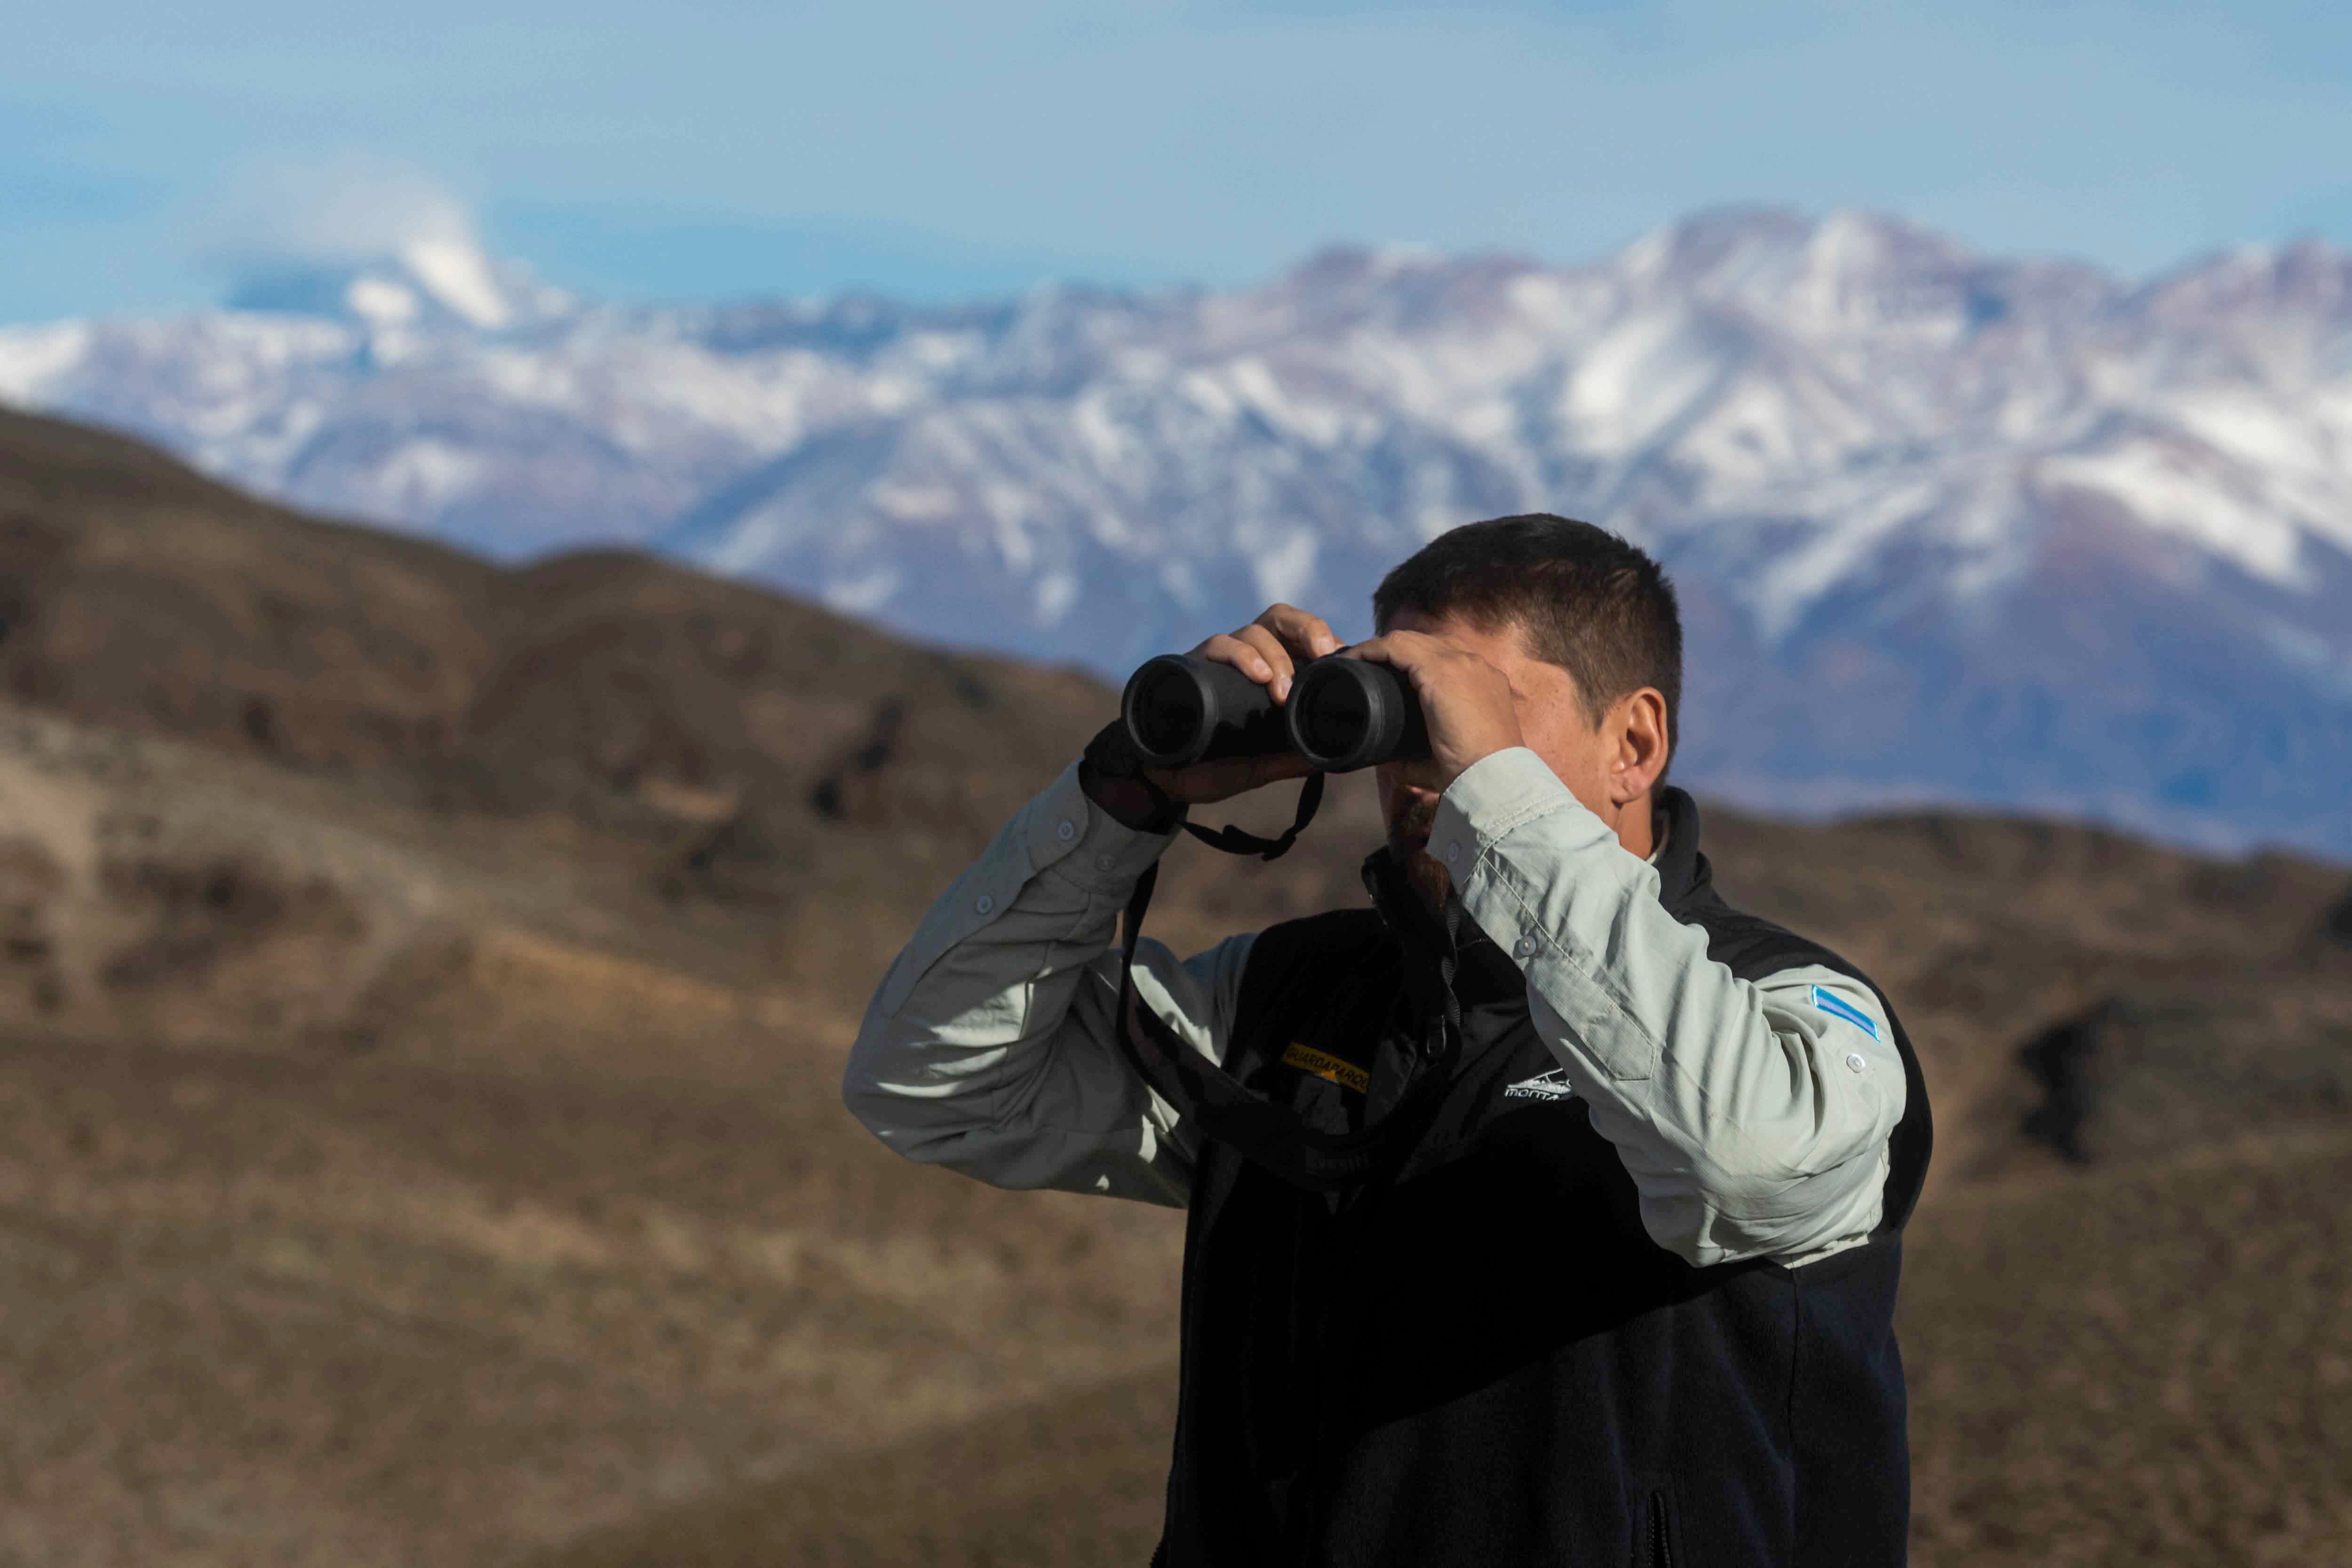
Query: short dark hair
pixel 1584 599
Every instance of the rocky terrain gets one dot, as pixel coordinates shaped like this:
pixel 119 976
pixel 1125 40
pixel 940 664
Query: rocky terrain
pixel 423 992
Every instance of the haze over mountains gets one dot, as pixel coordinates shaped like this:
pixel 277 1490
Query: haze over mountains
pixel 1948 526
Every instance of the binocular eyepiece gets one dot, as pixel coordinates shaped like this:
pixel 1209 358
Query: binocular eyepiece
pixel 1343 714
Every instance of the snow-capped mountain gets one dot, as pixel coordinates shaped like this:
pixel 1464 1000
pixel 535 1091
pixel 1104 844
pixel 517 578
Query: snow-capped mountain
pixel 1947 526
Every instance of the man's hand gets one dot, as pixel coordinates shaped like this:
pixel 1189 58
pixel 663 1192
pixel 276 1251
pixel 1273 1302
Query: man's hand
pixel 1467 701
pixel 1268 650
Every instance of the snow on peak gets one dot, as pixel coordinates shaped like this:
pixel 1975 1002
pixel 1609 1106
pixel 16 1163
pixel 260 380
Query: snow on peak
pixel 439 281
pixel 374 244
pixel 1826 423
pixel 461 278
pixel 1851 438
pixel 2309 279
pixel 381 303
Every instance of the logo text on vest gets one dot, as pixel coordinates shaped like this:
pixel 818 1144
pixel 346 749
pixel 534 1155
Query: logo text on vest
pixel 1323 1064
pixel 1552 1085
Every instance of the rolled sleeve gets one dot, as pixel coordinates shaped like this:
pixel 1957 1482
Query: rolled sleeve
pixel 1752 1115
pixel 1496 794
pixel 1059 831
pixel 1085 843
pixel 991 1044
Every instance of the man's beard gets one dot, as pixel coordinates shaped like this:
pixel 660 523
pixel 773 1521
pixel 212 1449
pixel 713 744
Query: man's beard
pixel 1408 841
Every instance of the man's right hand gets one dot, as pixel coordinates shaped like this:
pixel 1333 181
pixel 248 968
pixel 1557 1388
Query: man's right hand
pixel 1268 650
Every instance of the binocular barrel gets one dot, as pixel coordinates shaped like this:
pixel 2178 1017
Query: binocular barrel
pixel 1350 713
pixel 1343 714
pixel 1182 709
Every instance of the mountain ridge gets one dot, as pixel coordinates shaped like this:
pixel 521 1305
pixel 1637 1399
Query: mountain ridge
pixel 2010 534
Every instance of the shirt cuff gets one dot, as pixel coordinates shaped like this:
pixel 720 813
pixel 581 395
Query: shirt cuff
pixel 1494 795
pixel 1085 843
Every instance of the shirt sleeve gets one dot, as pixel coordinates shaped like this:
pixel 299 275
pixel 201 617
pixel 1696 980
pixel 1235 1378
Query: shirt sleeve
pixel 1753 1116
pixel 988 1048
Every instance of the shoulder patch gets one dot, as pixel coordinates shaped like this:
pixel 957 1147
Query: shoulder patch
pixel 1837 1007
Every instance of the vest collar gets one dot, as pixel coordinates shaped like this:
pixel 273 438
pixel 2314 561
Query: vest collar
pixel 1684 876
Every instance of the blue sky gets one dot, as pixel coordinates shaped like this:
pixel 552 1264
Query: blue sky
pixel 147 150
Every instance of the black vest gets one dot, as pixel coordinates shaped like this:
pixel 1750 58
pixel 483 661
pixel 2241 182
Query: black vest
pixel 1480 1356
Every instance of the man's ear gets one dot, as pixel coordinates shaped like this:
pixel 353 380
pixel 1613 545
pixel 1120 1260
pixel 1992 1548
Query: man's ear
pixel 1638 744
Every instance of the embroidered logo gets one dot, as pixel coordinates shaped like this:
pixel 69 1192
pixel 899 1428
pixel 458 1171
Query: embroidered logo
pixel 1552 1085
pixel 1837 1007
pixel 1323 1064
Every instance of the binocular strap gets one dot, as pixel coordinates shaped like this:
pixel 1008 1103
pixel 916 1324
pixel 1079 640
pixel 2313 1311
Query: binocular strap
pixel 1268 1133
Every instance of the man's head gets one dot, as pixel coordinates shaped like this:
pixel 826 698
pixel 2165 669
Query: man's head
pixel 1586 627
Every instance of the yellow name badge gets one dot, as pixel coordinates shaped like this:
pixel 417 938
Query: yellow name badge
pixel 1322 1064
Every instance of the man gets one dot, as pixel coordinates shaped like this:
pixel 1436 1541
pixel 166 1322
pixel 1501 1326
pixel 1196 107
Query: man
pixel 1626 1295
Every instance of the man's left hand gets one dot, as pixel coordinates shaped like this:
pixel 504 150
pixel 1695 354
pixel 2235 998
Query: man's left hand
pixel 1467 701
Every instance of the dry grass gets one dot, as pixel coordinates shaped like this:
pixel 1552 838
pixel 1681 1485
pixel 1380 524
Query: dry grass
pixel 2148 1365
pixel 329 1309
pixel 2153 1366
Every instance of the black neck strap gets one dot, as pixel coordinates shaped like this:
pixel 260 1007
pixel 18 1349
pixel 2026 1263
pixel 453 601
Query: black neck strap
pixel 1234 841
pixel 1268 1133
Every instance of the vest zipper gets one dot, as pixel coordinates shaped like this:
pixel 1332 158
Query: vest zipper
pixel 1661 1553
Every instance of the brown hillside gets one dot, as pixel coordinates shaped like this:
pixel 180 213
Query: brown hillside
pixel 137 591
pixel 423 989
pixel 2155 1369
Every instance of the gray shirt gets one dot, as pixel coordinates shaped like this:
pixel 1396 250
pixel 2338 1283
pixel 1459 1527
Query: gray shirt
pixel 1752 1116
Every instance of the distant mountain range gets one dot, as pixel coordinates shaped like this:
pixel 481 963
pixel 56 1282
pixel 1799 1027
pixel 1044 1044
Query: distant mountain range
pixel 2015 533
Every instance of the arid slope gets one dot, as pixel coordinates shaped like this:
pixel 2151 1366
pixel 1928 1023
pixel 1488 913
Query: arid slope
pixel 423 991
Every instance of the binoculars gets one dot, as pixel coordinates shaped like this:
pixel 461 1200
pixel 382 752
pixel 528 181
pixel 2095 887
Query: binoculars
pixel 1343 714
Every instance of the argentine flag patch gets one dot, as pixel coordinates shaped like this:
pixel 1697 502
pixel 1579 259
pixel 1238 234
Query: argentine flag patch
pixel 1837 1007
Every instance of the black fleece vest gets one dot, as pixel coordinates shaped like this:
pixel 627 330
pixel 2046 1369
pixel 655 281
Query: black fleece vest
pixel 1480 1357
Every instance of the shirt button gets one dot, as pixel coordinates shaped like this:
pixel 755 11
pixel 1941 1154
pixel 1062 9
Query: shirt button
pixel 1854 1059
pixel 1102 862
pixel 984 903
pixel 1527 945
pixel 1454 854
pixel 1066 830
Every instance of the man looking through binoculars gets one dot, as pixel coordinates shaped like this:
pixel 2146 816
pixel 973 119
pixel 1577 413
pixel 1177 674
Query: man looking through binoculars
pixel 1482 690
pixel 1546 1211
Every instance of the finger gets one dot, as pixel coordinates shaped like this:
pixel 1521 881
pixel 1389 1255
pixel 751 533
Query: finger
pixel 1227 648
pixel 1408 651
pixel 1307 633
pixel 1238 775
pixel 1275 768
pixel 1203 783
pixel 1277 657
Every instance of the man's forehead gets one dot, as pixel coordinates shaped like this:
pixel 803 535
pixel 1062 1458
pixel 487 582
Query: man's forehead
pixel 1500 642
pixel 1502 645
